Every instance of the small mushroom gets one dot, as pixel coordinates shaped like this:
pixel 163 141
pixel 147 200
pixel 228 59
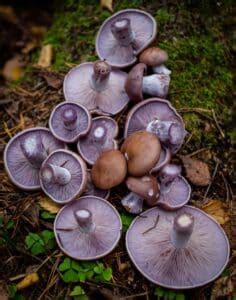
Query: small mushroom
pixel 87 229
pixel 109 169
pixel 124 35
pixel 142 151
pixel 97 87
pixel 63 176
pixel 177 250
pixel 164 159
pixel 101 137
pixel 92 190
pixel 159 117
pixel 69 121
pixel 155 58
pixel 137 84
pixel 25 153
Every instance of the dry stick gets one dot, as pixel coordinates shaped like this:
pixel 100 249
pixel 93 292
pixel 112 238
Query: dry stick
pixel 51 284
pixel 217 124
pixel 154 226
pixel 212 179
pixel 135 295
pixel 196 152
pixel 226 186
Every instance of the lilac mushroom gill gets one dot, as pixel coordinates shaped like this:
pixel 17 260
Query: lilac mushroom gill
pixel 157 116
pixel 101 137
pixel 178 250
pixel 63 176
pixel 124 35
pixel 69 121
pixel 87 229
pixel 96 86
pixel 92 190
pixel 137 84
pixel 25 153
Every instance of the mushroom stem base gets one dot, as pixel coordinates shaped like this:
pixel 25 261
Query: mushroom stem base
pixel 156 85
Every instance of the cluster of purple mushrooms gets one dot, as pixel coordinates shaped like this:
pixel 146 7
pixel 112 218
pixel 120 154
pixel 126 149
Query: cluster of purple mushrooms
pixel 172 244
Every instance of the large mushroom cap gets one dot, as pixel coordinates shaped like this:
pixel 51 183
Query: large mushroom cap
pixel 87 229
pixel 157 116
pixel 124 35
pixel 134 82
pixel 99 89
pixel 101 137
pixel 185 249
pixel 153 56
pixel 69 121
pixel 25 153
pixel 92 190
pixel 63 176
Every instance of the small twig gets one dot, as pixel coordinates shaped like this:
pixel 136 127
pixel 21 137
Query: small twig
pixel 197 152
pixel 154 226
pixel 212 179
pixel 226 186
pixel 134 296
pixel 217 124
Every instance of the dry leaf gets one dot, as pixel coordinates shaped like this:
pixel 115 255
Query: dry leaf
pixel 12 69
pixel 217 209
pixel 107 4
pixel 3 292
pixel 197 171
pixel 8 13
pixel 29 280
pixel 53 79
pixel 29 47
pixel 222 287
pixel 49 205
pixel 45 57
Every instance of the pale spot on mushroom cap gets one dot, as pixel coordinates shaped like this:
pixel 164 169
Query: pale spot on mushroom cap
pixel 69 113
pixel 99 132
pixel 120 23
pixel 126 155
pixel 184 220
pixel 145 179
pixel 150 193
pixel 47 174
pixel 83 214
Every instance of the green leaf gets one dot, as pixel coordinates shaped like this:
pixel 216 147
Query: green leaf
pixel 171 295
pixel 10 224
pixel 88 265
pixel 82 276
pixel 126 220
pixel 107 274
pixel 65 265
pixel 180 297
pixel 12 289
pixel 76 266
pixel 98 269
pixel 47 235
pixel 159 291
pixel 70 276
pixel 77 291
pixel 37 248
pixel 47 215
pixel 89 274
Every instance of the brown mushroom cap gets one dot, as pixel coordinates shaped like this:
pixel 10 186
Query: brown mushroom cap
pixel 109 169
pixel 153 56
pixel 142 150
pixel 146 187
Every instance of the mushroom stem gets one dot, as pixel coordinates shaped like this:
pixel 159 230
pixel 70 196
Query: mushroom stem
pixel 69 117
pixel 100 77
pixel 169 172
pixel 34 150
pixel 161 69
pixel 133 203
pixel 156 85
pixel 85 220
pixel 55 174
pixel 182 230
pixel 122 31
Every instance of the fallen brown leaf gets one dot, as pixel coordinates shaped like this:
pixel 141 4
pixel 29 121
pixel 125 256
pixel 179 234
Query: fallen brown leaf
pixel 12 69
pixel 45 57
pixel 217 209
pixel 29 280
pixel 222 287
pixel 8 13
pixel 3 292
pixel 107 4
pixel 49 205
pixel 53 79
pixel 196 170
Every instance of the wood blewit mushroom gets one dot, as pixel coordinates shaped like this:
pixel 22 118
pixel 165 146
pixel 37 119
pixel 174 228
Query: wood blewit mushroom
pixel 178 250
pixel 124 35
pixel 25 153
pixel 97 87
pixel 92 190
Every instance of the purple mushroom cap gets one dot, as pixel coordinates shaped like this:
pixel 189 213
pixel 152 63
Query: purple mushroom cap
pixel 99 139
pixel 69 121
pixel 92 190
pixel 25 153
pixel 157 116
pixel 164 159
pixel 178 250
pixel 97 87
pixel 87 229
pixel 63 176
pixel 124 35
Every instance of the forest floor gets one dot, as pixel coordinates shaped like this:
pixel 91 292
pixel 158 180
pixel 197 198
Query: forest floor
pixel 198 36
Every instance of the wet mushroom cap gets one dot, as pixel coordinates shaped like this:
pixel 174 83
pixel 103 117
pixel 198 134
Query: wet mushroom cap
pixel 142 151
pixel 92 190
pixel 161 258
pixel 85 238
pixel 99 89
pixel 134 82
pixel 124 35
pixel 109 169
pixel 63 176
pixel 101 137
pixel 153 56
pixel 69 121
pixel 25 153
pixel 164 159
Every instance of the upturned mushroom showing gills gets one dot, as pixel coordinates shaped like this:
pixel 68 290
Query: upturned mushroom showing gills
pixel 87 229
pixel 164 159
pixel 178 250
pixel 142 151
pixel 69 121
pixel 63 176
pixel 157 116
pixel 97 87
pixel 155 58
pixel 101 137
pixel 137 84
pixel 124 35
pixel 92 190
pixel 25 153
